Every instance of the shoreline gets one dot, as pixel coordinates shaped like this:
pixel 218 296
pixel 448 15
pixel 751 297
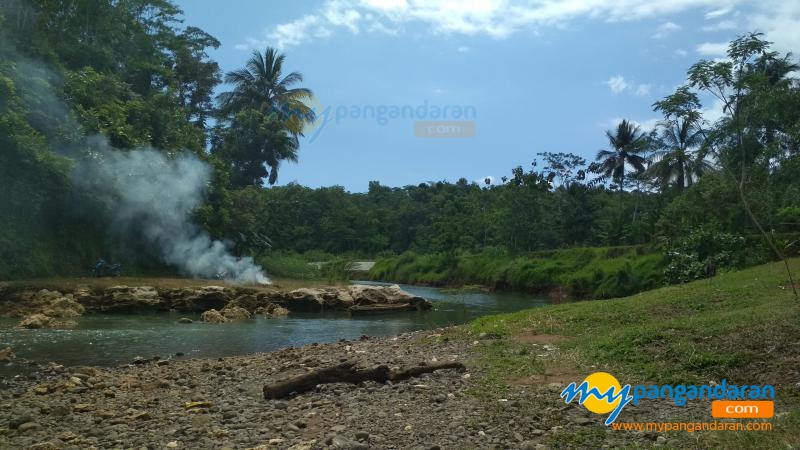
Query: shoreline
pixel 200 403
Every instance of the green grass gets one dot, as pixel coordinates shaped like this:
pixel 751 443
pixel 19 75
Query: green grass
pixel 601 272
pixel 742 326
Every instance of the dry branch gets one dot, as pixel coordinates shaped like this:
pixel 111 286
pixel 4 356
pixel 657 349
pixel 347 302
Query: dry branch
pixel 348 373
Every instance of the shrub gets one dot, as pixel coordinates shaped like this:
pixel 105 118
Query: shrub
pixel 701 253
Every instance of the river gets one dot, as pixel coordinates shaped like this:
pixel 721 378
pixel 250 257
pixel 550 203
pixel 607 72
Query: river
pixel 110 339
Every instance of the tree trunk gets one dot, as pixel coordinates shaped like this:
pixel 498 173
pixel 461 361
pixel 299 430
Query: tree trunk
pixel 348 373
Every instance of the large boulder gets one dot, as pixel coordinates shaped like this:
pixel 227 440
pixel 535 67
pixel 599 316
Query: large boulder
pixel 368 295
pixel 124 298
pixel 213 316
pixel 39 321
pixel 313 299
pixel 272 311
pixel 36 321
pixel 235 313
pixel 64 307
pixel 355 298
pixel 196 299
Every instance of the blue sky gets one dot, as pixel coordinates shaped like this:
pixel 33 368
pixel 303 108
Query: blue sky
pixel 542 75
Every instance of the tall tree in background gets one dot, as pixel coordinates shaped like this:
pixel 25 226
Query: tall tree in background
pixel 262 87
pixel 677 159
pixel 747 139
pixel 628 144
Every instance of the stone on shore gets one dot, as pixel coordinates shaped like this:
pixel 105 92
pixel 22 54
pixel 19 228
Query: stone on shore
pixel 235 313
pixel 36 321
pixel 197 299
pixel 6 355
pixel 213 316
pixel 124 298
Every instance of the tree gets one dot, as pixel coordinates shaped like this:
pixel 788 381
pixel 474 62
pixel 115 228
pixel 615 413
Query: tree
pixel 253 147
pixel 627 145
pixel 563 168
pixel 677 159
pixel 746 84
pixel 262 86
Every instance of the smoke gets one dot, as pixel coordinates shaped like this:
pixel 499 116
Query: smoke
pixel 153 194
pixel 147 192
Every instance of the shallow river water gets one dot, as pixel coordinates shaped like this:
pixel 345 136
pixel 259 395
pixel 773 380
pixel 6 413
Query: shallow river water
pixel 115 339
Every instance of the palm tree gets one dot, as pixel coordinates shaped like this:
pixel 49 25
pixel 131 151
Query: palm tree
pixel 677 161
pixel 261 85
pixel 265 101
pixel 627 145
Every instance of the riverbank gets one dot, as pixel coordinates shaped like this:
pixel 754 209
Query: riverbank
pixel 590 272
pixel 739 326
pixel 45 308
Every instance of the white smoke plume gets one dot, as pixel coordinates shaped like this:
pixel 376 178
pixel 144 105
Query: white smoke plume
pixel 153 194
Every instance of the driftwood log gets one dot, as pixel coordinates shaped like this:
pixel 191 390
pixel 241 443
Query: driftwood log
pixel 348 373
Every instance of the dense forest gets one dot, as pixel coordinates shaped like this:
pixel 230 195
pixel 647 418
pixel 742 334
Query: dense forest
pixel 701 195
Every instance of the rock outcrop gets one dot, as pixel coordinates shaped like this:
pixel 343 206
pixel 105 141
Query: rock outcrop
pixel 38 321
pixel 271 311
pixel 197 299
pixel 213 316
pixel 235 313
pixel 124 298
pixel 356 299
pixel 231 303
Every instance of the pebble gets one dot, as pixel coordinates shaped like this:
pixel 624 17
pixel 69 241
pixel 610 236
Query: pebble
pixel 27 426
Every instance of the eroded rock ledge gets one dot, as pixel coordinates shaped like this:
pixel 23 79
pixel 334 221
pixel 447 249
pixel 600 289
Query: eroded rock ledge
pixel 218 303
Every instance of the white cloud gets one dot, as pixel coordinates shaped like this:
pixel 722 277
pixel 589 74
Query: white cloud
pixel 722 26
pixel 717 13
pixel 680 52
pixel 343 17
pixel 713 48
pixel 617 84
pixel 463 49
pixel 780 24
pixel 292 33
pixel 713 112
pixel 501 18
pixel 665 29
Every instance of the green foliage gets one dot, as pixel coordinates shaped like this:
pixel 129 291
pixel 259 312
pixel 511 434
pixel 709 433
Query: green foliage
pixel 73 69
pixel 580 272
pixel 701 253
pixel 337 270
pixel 290 265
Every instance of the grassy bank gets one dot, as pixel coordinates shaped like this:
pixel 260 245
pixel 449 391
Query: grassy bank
pixel 601 272
pixel 741 326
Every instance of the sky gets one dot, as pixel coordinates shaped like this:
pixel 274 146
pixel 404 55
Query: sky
pixel 539 76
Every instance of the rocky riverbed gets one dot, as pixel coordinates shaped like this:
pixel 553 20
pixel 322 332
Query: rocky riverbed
pixel 218 403
pixel 43 308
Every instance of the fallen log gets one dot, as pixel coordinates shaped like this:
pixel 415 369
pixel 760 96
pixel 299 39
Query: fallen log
pixel 348 373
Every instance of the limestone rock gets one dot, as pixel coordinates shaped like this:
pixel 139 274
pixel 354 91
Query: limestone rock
pixel 213 316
